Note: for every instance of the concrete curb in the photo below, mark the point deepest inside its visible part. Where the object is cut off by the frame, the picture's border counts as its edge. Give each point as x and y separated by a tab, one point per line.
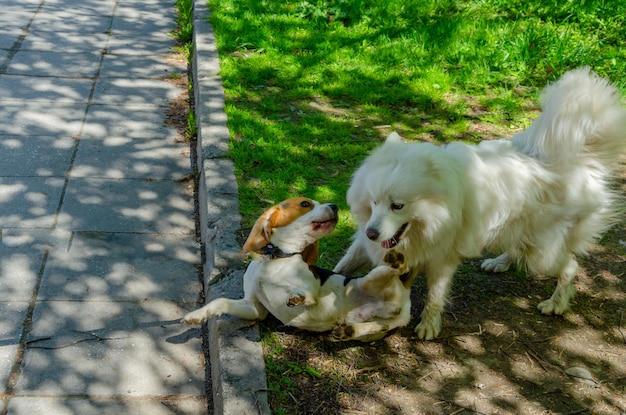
237	367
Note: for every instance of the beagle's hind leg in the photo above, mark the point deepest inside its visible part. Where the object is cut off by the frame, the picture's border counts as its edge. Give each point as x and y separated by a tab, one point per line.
365	332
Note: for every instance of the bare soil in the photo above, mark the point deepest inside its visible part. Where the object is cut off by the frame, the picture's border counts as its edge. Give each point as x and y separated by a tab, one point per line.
497	353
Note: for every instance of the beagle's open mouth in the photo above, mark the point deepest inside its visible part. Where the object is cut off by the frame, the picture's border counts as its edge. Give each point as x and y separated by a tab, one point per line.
395	239
323	225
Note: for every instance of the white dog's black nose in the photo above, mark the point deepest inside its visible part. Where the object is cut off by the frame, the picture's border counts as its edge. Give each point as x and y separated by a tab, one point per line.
372	234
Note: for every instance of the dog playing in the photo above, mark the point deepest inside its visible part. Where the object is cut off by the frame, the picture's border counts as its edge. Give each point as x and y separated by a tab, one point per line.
283	281
539	198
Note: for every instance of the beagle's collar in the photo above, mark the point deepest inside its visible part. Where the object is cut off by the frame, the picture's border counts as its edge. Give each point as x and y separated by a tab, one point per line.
274	252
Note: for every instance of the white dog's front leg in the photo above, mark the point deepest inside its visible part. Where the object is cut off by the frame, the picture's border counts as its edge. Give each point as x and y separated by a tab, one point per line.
238	308
559	302
438	281
501	263
355	258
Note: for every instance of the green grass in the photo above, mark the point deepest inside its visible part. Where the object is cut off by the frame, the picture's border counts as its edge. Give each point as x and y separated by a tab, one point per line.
312	86
184	21
183	33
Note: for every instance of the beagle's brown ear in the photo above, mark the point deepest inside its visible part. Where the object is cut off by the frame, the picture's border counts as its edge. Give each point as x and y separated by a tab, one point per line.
310	253
261	231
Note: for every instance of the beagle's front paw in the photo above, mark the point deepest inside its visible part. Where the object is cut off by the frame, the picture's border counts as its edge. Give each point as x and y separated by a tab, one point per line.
196	317
297	298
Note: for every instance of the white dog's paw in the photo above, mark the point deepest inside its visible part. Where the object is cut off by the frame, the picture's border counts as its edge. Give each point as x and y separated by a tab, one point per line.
198	316
559	302
498	264
429	327
550	306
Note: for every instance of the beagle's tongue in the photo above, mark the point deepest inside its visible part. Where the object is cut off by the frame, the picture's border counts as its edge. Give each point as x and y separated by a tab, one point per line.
322	225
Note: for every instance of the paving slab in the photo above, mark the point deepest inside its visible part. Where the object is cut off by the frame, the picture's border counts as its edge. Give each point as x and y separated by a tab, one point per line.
59	90
125	349
80	7
19	274
31	240
123	205
55	63
11	324
143	66
112	122
130	43
35	155
41	118
103	266
159	21
29	202
156	18
131	158
68	41
59	19
16	17
103	406
8	37
125	91
98	253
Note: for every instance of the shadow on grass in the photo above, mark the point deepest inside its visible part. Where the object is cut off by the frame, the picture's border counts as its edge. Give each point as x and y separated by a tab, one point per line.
496	353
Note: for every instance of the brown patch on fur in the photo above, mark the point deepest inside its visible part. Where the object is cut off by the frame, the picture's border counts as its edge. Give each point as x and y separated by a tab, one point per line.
275	217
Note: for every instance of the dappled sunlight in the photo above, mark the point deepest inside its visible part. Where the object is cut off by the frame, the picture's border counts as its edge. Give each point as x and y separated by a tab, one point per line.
496	353
98	253
471	344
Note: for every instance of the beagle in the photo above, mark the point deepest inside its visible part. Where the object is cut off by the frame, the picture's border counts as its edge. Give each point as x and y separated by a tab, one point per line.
282	280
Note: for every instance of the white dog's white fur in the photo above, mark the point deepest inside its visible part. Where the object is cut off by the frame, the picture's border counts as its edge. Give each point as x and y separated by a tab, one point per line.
540	198
282	280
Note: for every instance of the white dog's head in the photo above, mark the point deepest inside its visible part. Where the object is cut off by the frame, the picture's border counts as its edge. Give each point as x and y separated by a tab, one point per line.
401	191
293	226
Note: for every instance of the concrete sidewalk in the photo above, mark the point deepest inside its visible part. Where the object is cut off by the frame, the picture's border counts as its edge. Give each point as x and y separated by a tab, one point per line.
98	253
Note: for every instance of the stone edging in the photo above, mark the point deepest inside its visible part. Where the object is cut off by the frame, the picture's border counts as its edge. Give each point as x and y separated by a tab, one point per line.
237	367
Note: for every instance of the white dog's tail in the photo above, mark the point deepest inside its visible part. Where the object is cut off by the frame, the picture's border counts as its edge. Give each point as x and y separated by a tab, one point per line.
582	115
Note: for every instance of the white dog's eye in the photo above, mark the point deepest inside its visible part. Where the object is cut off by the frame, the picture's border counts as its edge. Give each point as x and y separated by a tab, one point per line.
396	206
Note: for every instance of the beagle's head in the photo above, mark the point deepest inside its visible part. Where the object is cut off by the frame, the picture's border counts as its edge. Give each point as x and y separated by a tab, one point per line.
294	226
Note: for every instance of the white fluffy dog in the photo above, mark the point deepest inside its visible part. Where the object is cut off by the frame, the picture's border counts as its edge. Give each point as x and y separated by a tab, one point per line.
539	198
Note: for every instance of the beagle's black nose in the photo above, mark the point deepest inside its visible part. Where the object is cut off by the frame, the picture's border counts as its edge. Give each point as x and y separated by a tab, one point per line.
372	234
333	207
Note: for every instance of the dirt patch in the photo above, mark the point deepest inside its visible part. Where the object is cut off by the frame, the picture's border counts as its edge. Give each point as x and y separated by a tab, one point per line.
497	354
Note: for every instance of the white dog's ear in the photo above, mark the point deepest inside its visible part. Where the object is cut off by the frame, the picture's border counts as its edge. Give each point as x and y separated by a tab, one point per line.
261	231
394	138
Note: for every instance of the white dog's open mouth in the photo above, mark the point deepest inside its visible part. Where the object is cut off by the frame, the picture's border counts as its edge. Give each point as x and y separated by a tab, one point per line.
393	241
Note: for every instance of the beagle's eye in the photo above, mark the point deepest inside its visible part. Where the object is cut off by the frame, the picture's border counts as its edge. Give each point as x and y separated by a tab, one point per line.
396	206
305	204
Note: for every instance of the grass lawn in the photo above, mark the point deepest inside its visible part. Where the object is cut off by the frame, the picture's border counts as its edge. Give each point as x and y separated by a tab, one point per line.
312	86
